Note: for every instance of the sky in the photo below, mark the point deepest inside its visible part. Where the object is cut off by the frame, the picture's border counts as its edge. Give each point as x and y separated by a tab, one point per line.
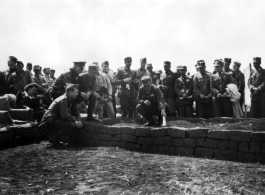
56	33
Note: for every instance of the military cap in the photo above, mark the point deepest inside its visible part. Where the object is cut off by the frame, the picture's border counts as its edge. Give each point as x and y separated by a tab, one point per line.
44	69
127	59
93	68
158	72
237	63
167	63
19	62
228	60
105	62
178	67
185	67
80	63
145	78
149	65
256	59
200	63
13	58
181	67
143	60
35	67
70	85
52	70
217	63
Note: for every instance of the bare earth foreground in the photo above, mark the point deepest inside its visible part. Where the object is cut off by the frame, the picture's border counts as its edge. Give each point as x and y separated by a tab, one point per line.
40	169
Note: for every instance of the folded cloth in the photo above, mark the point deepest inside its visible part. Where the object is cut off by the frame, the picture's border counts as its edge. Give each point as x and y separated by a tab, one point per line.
238	113
232	89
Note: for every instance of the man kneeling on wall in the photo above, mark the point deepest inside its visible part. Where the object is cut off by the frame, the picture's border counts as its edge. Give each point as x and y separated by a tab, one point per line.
62	118
150	101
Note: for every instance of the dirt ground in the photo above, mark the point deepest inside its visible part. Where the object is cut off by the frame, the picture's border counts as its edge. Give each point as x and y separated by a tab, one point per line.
41	169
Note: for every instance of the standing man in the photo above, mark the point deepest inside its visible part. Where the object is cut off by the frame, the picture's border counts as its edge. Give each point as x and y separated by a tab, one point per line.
202	91
222	106
29	68
12	67
149	67
52	73
141	72
47	77
39	80
168	88
184	89
256	84
226	67
150	101
157	80
240	81
62	118
129	86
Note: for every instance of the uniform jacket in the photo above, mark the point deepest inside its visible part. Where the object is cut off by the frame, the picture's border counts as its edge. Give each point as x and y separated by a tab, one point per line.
48	80
218	83
201	85
257	79
184	85
2	83
230	72
61	108
86	82
240	81
125	73
112	80
154	95
16	82
168	79
43	85
139	74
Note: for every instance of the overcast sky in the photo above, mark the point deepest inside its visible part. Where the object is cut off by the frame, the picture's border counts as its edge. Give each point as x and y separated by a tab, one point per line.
54	33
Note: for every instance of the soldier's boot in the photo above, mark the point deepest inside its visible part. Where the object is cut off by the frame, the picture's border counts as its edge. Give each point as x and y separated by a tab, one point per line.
90	109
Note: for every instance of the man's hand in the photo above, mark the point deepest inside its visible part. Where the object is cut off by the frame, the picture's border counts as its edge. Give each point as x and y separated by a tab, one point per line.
147	102
128	80
219	95
184	95
202	96
163	113
78	124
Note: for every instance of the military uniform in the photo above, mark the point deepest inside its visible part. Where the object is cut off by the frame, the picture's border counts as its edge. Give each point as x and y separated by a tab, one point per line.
183	85
257	80
141	72
222	106
240	82
155	97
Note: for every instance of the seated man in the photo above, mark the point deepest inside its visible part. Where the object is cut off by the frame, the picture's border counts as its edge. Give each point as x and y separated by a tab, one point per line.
62	117
150	101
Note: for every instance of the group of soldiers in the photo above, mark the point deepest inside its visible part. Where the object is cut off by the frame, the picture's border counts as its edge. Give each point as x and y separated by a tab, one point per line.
143	91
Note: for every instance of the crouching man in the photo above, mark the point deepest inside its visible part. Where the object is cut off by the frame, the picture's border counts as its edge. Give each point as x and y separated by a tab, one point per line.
62	117
150	101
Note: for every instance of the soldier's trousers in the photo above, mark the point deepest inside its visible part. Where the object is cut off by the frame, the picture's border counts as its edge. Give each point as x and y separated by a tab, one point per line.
223	108
148	111
171	106
91	105
185	110
205	110
258	108
106	106
128	106
105	113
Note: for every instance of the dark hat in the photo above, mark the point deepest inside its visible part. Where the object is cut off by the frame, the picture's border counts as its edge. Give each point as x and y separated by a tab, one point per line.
158	71
52	70
181	67
217	63
256	59
237	63
145	78
44	69
185	67
127	59
13	58
228	60
143	60
80	63
19	62
149	65
200	63
178	67
167	63
105	62
35	67
93	68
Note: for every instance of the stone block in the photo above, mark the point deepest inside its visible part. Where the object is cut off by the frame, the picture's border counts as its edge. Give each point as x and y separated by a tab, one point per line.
190	143
102	143
248	157
168	140
145	140
200	142
223	145
177	132
114	144
178	142
211	143
240	156
258	136
101	129
129	138
155	149
197	132
233	145
114	130
166	150
185	151
104	137
123	144
204	152
128	130
225	154
116	138
239	136
142	132
88	126
110	121
226	120
158	132
218	134
260	158
255	147
147	148
262	147
159	141
133	146
243	147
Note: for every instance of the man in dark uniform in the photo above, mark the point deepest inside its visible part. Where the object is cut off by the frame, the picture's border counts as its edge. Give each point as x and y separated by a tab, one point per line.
222	106
256	84
62	118
184	89
129	83
12	68
142	71
168	88
52	74
240	81
203	95
226	67
29	67
150	101
58	87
